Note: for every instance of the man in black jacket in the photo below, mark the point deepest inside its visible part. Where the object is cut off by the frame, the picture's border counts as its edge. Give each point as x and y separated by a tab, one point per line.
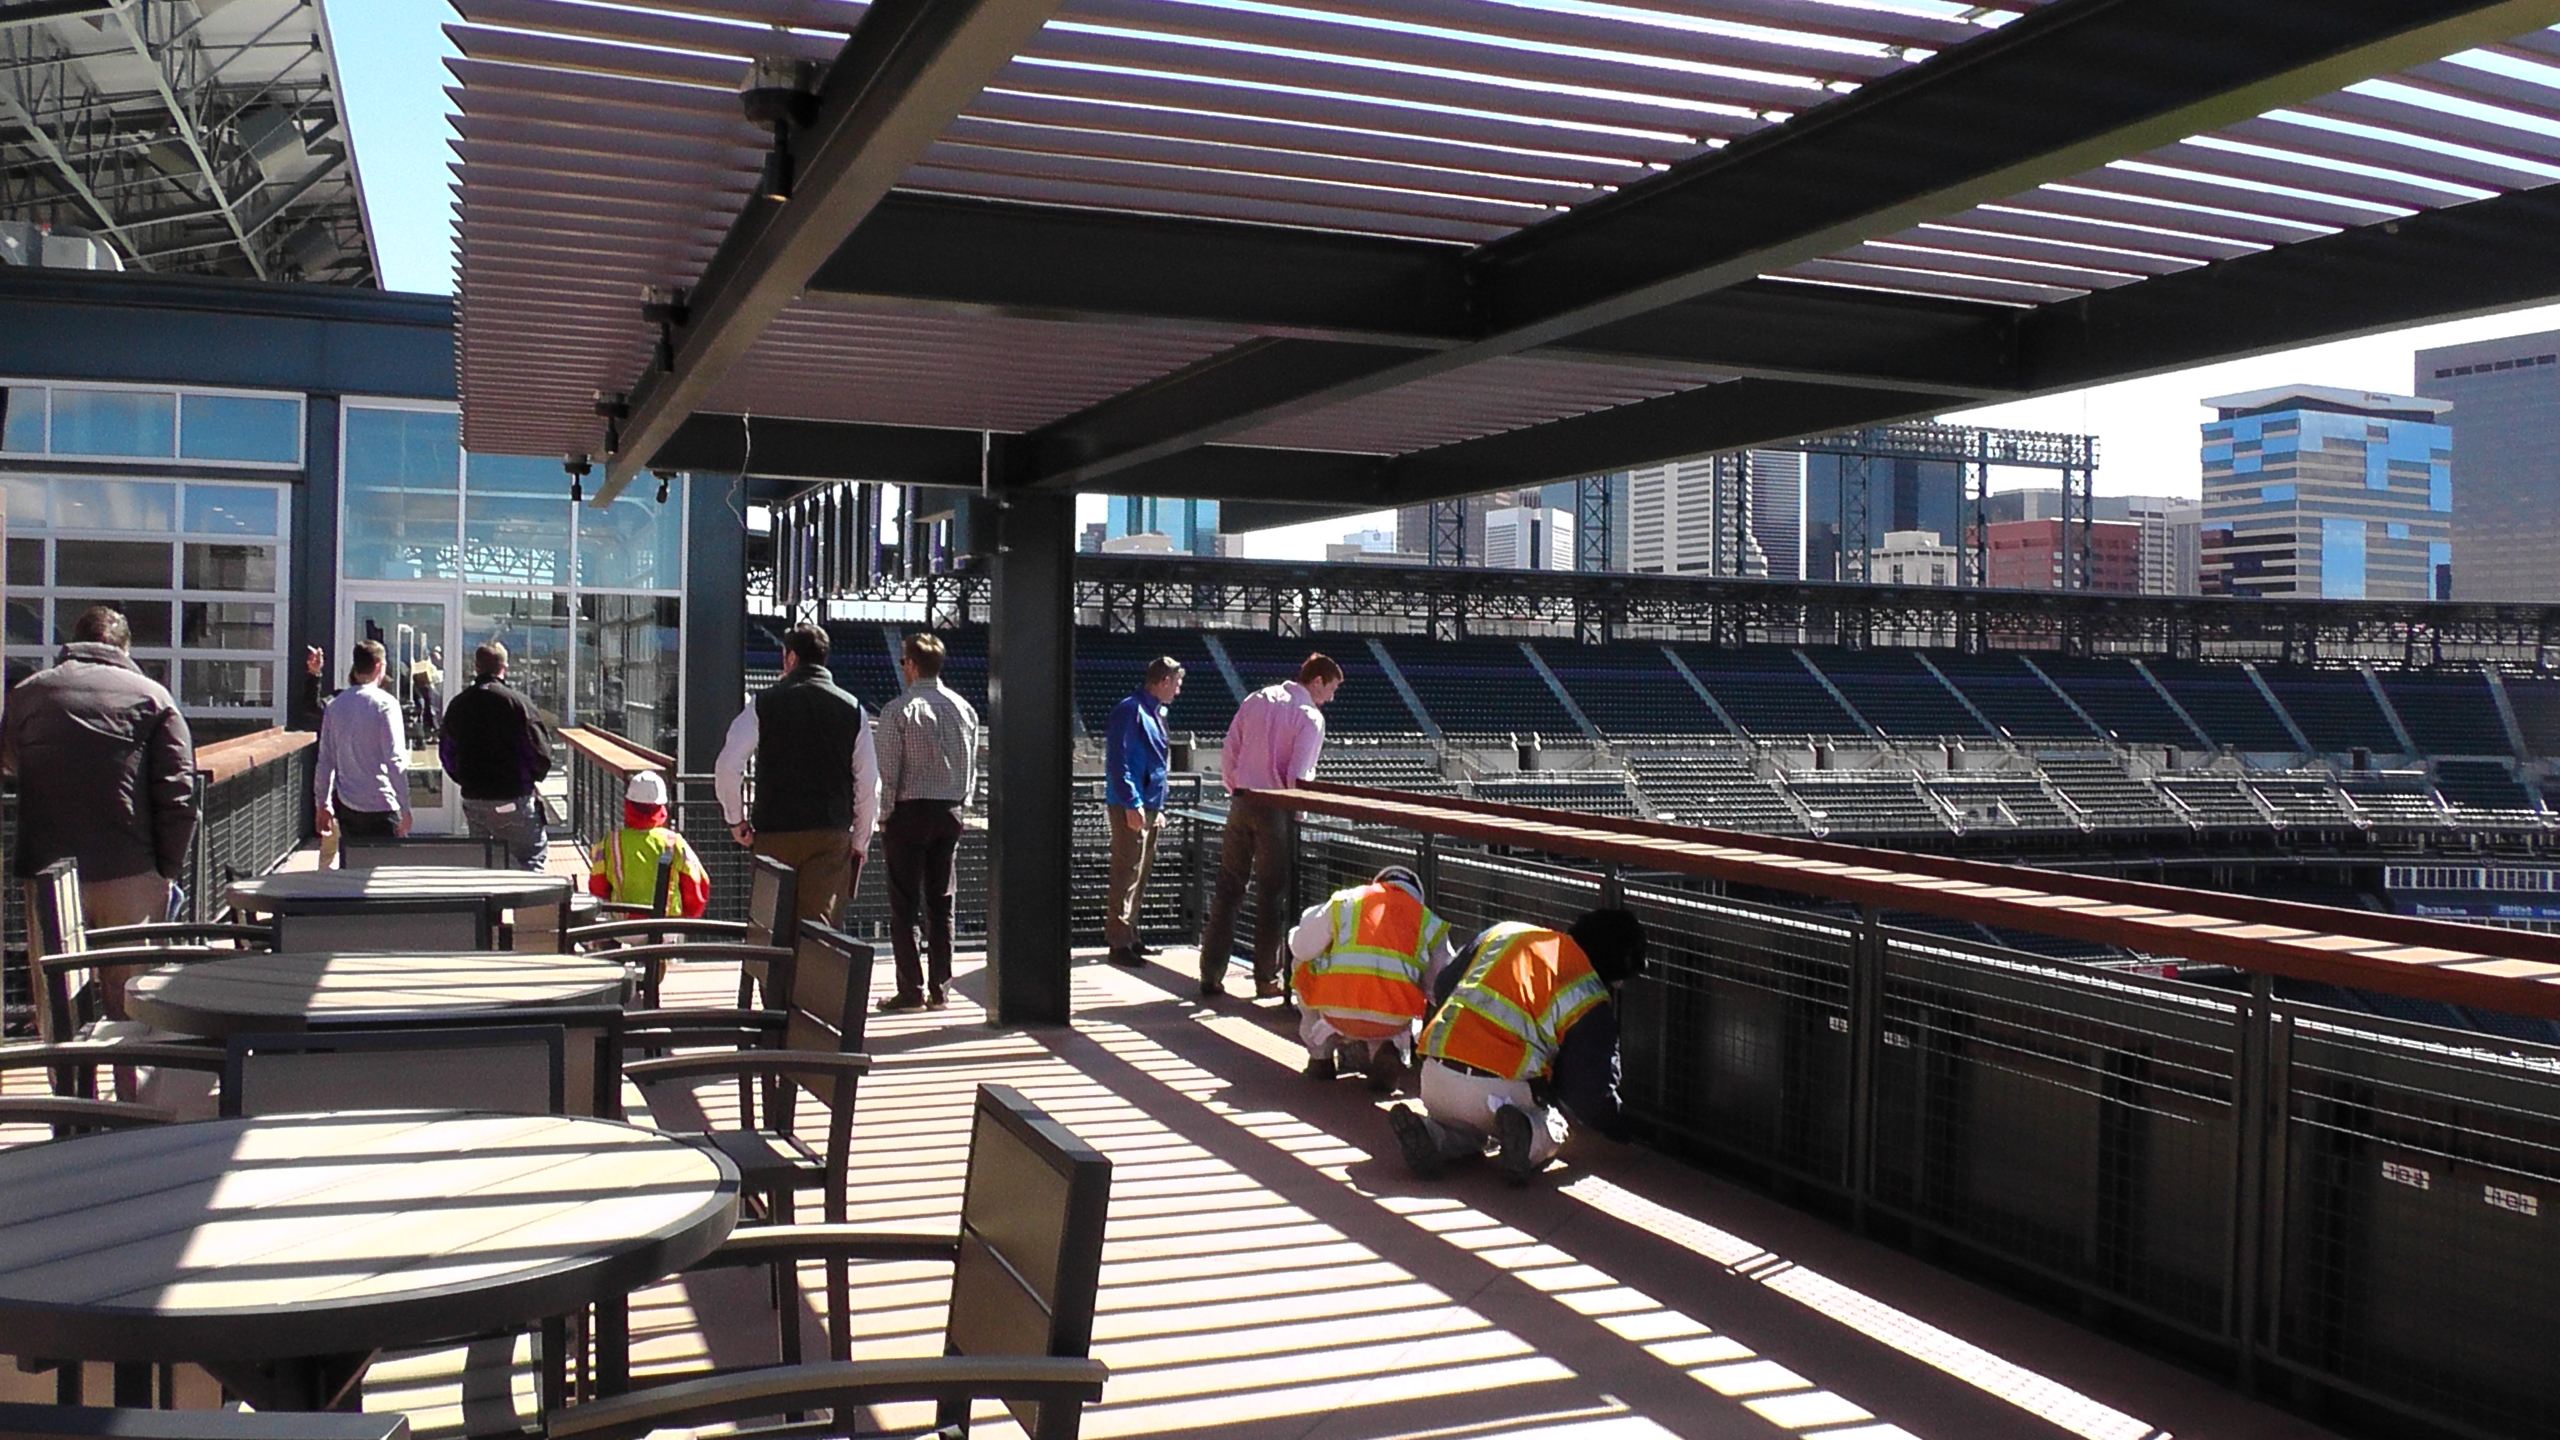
497	749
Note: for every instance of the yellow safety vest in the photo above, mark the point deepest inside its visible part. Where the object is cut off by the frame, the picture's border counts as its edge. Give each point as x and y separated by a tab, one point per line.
1524	989
630	864
1369	978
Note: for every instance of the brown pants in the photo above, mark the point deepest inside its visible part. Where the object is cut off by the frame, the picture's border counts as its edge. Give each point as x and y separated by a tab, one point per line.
1133	854
130	900
1256	850
921	842
825	863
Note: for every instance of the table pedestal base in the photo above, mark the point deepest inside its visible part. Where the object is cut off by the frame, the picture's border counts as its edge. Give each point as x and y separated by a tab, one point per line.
310	1382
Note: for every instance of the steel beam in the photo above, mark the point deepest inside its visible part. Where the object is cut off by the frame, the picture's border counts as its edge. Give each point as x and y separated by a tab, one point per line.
904	74
1031	745
130	17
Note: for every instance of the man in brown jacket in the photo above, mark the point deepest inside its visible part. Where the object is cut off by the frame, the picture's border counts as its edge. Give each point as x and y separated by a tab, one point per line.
105	768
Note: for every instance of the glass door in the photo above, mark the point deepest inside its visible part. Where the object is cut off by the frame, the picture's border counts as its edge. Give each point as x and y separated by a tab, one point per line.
418	638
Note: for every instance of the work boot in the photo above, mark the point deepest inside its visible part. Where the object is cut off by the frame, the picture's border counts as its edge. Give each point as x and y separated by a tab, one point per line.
1127	957
1511	1129
1142	949
1320	1064
1385	1068
1421	1153
899	1004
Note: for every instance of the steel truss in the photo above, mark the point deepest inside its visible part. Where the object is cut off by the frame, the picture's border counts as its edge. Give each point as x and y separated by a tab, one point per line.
1975	449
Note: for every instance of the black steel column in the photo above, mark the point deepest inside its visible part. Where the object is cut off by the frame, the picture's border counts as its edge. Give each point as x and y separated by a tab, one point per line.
1030	671
715	615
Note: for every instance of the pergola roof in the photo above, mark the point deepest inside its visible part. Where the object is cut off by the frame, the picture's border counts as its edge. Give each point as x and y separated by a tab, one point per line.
1347	251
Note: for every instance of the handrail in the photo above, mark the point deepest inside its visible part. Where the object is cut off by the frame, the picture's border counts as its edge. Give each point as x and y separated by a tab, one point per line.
230	759
624	757
2401	955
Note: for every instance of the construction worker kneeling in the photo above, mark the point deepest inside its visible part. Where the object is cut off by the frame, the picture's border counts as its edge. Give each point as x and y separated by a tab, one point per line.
1524	1036
1366	960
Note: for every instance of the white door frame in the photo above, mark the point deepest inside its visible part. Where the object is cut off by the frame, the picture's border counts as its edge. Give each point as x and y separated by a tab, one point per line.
436	805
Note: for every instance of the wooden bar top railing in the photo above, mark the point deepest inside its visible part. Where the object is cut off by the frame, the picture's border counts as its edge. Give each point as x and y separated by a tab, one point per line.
222	760
624	757
2514	971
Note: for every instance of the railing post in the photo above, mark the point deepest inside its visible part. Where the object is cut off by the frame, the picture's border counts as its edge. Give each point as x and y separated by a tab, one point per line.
2252	1057
1426	865
1866	1034
1613	887
199	851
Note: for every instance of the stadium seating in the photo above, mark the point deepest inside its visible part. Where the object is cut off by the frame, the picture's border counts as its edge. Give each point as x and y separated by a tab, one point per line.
2399	800
2226	704
1367	710
1897	694
1629	689
2537	703
1109	667
1418	771
1481	692
2002	802
2448	714
2484	791
2335	709
2109	797
2215	802
1768	691
2117	696
2012	696
1595	796
858	656
2305	799
1867	802
1712	785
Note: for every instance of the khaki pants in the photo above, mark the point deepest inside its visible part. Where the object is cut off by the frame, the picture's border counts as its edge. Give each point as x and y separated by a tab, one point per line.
1133	854
1459	1108
824	860
1255	852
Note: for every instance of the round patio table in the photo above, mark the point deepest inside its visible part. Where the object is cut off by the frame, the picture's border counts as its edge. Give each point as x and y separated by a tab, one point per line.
512	889
266	994
282	1253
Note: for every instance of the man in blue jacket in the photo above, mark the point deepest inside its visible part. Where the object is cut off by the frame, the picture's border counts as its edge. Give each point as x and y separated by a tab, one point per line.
1136	758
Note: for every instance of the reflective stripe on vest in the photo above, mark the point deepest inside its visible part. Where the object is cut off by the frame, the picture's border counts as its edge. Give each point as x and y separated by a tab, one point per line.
631	867
1372	970
1524	989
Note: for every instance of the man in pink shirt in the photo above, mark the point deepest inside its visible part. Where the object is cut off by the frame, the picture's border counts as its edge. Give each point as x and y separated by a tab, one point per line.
1272	744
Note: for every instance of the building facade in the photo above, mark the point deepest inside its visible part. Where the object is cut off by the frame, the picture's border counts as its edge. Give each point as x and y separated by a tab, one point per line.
1529	537
2506	469
1190	525
2314	492
1917	557
2031	555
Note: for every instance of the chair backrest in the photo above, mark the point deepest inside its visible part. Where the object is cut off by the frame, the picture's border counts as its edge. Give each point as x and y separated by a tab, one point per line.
512	1069
773	891
1031	1221
467	852
592	1063
828	993
93	1422
461	923
56	925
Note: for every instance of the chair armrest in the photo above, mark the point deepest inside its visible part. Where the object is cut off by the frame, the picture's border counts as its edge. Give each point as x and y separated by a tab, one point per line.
144	955
711	1019
763	1244
683	951
615	929
114	935
108	1052
70	1110
838	1386
746	1062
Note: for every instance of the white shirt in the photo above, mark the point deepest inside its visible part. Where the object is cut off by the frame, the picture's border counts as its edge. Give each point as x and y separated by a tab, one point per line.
729	777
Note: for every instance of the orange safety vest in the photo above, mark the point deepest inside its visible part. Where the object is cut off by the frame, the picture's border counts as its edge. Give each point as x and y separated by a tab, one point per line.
1524	989
1368	981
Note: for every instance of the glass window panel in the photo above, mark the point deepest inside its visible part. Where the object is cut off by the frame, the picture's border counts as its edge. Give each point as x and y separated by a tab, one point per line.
231	567
149	619
401	514
22	419
240	427
233	509
111	564
20	667
635	543
26	562
26	499
516	539
223	625
628	673
26	620
156	669
518	475
115	422
229	682
535	630
115	505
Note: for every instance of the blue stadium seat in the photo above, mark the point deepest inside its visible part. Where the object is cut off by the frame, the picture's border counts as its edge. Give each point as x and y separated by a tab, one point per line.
2451	714
2012	696
1897	694
2334	709
1482	691
1629	688
2223	700
1767	690
2118	697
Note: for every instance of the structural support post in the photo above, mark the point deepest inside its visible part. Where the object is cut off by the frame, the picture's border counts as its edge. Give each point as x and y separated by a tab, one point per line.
1031	750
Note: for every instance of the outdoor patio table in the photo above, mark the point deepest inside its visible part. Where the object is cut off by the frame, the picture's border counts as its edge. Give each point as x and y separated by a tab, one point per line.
282	1253
265	994
513	889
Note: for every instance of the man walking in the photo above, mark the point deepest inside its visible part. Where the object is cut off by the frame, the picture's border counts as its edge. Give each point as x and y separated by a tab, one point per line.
928	748
362	783
497	750
817	786
1272	744
106	776
1526	1035
1136	764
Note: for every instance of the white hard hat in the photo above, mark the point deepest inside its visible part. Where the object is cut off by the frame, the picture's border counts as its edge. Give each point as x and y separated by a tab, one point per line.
647	788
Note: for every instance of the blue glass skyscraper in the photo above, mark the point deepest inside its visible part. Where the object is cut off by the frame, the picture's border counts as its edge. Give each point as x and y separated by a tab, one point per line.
2316	492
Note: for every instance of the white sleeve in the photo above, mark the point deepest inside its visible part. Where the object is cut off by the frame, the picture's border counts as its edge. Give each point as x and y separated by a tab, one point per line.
866	791
1443	950
400	750
729	772
1314	933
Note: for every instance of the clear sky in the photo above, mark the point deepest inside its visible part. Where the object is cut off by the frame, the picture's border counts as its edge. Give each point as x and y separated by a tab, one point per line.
392	52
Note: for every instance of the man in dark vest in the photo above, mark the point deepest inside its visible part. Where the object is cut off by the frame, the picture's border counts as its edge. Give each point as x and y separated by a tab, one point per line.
817	783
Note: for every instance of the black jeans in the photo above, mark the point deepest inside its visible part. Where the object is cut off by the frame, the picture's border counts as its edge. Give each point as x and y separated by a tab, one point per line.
923	839
365	824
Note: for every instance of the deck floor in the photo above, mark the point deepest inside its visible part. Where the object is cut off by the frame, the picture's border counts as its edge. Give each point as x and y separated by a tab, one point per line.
1273	1273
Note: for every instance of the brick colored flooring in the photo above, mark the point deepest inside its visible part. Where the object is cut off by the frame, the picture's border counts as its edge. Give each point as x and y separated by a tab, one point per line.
1272	1273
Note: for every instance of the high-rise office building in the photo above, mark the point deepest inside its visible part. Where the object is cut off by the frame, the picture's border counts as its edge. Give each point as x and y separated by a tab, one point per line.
1777	511
1844	515
2169	553
2339	494
1192	525
1529	537
2506	466
2032	555
1413	522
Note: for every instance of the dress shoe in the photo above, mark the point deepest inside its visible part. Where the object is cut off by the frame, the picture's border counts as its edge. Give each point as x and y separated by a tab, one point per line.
1125	956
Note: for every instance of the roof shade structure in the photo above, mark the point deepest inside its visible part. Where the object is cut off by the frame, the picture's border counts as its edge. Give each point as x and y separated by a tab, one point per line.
1353	253
192	136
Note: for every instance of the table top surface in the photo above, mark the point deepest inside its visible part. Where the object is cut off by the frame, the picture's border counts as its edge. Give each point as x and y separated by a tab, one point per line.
287	1236
262	993
399	882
